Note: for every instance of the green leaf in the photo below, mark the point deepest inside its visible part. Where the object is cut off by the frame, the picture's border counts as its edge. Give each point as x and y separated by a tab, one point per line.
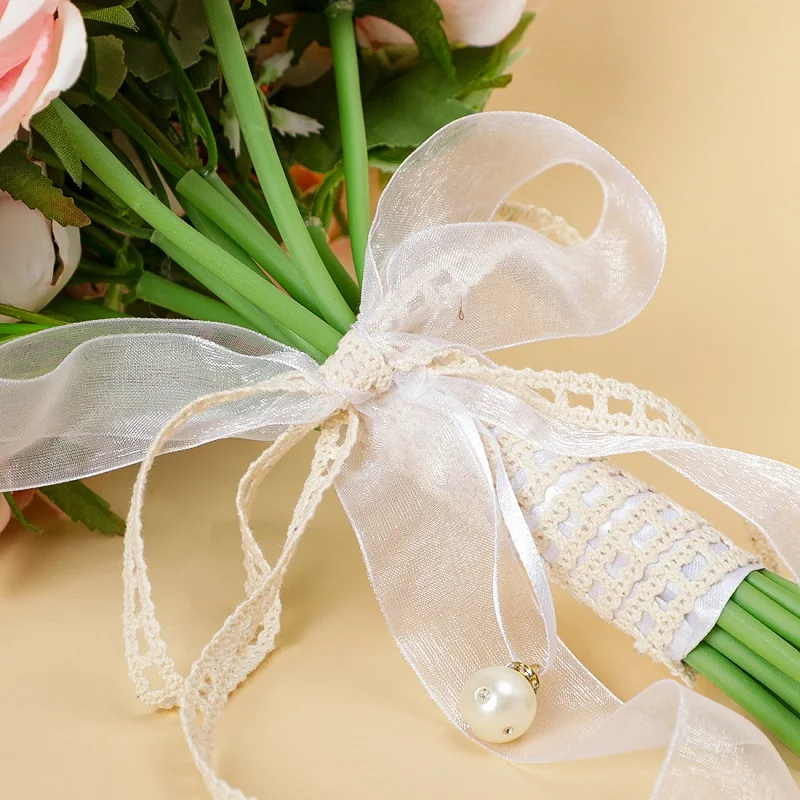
25	181
117	14
186	19
487	84
422	19
502	56
388	159
52	129
18	515
401	109
202	75
105	68
309	28
81	504
108	4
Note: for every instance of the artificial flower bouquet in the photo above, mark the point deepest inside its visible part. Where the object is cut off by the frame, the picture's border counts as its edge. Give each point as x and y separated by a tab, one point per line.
229	280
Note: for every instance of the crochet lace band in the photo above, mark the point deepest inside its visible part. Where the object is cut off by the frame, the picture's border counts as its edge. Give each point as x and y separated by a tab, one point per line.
444	462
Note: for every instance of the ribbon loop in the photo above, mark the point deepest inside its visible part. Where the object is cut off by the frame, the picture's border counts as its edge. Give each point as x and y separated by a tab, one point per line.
456	576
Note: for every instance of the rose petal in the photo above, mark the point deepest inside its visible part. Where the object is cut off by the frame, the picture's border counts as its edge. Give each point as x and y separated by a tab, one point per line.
313	64
71	43
480	22
477	22
20	24
27	257
20	86
374	32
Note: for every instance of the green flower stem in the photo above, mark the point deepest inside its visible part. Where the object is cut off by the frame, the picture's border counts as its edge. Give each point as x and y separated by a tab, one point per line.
215	234
120	118
146	124
772	614
216	261
329	184
748	693
251	199
790	586
159	291
257	205
760	639
785	597
101	216
48	157
80	310
268	166
20	328
23	315
773	679
351	121
151	171
251	237
341	277
220	186
184	86
258	319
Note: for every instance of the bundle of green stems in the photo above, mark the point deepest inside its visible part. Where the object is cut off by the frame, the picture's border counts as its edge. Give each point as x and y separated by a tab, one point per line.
752	652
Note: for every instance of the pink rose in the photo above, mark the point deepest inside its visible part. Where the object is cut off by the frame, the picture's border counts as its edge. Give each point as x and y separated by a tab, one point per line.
37	256
42	50
477	22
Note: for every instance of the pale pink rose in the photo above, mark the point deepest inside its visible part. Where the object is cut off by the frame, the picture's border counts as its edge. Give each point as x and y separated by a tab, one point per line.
22	499
42	50
477	22
37	256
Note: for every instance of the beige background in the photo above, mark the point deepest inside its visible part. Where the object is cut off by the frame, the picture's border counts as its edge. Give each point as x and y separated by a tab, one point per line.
699	100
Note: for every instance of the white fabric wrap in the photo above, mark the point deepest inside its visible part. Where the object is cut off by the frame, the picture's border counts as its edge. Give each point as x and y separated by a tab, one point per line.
427	459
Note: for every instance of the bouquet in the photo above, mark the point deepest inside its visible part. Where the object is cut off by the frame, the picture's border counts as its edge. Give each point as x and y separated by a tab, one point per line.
229	280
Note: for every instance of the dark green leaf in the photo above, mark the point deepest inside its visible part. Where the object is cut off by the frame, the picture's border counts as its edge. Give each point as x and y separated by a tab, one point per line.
187	20
309	28
388	159
18	515
422	19
105	68
487	84
51	127
502	56
25	181
81	504
202	75
116	14
402	109
108	3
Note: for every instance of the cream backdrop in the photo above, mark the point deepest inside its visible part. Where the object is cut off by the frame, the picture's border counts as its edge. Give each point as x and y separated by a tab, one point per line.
699	100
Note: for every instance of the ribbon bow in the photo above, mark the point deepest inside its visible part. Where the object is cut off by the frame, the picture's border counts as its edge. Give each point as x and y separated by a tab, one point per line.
407	410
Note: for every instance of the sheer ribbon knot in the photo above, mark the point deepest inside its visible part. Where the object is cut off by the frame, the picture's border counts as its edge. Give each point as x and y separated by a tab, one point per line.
414	423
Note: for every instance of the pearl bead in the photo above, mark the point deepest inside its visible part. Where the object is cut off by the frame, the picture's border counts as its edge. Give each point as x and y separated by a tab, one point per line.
498	704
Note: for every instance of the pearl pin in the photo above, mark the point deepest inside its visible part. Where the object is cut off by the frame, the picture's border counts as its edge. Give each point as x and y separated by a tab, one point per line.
499	703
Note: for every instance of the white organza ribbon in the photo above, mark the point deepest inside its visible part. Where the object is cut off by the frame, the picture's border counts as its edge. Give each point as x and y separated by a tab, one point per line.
455	574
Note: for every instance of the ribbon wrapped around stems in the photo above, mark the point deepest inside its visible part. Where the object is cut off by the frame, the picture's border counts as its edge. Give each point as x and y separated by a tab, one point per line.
414	448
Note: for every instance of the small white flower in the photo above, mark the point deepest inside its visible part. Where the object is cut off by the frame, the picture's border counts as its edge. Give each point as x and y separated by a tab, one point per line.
290	123
37	257
253	32
230	124
273	67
